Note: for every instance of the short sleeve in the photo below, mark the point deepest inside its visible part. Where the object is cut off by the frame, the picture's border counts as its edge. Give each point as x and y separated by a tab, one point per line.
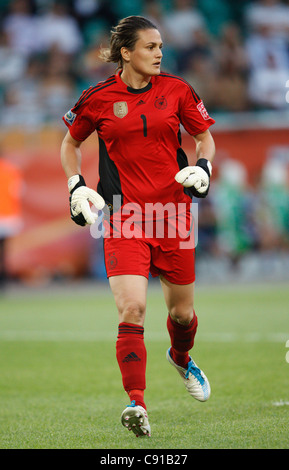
79	120
193	114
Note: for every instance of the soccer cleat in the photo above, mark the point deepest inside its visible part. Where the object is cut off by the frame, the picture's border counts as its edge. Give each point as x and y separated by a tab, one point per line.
194	379
135	418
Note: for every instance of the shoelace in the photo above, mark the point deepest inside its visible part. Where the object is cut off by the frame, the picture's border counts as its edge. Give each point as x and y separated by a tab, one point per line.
195	371
132	405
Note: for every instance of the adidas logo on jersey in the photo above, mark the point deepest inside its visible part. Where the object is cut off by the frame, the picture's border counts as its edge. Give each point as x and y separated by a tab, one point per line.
131	357
140	102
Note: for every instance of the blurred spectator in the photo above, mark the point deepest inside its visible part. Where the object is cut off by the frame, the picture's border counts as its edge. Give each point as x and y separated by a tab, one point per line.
193	42
231	89
181	24
154	11
230	49
267	44
22	103
21	26
207	228
86	9
266	85
262	45
201	74
11	187
95	18
268	15
272	211
200	47
58	27
12	62
88	68
267	23
58	88
232	204
231	71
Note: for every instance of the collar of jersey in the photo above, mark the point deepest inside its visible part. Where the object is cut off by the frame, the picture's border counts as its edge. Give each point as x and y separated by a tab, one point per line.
136	91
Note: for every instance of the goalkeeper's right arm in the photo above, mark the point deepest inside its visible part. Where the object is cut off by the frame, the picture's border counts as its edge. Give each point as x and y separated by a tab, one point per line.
80	194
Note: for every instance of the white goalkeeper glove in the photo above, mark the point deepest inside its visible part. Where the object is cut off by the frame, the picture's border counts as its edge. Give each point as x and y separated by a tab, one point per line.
80	196
197	177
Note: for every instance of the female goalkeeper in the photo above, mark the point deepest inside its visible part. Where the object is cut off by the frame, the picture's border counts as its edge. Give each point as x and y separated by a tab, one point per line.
137	113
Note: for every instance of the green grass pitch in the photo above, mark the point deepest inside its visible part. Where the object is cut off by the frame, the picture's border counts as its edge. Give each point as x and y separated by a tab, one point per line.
60	387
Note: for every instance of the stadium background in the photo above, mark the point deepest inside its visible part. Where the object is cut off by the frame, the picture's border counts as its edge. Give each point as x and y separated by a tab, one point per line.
60	385
235	54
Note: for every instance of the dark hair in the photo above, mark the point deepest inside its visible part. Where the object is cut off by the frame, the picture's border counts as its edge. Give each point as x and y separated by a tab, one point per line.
125	34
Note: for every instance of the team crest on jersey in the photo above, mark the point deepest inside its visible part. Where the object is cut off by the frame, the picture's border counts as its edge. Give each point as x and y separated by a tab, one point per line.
120	109
202	110
161	102
70	117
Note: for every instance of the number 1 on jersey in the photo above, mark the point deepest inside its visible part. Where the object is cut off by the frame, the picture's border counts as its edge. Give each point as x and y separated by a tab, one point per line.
144	120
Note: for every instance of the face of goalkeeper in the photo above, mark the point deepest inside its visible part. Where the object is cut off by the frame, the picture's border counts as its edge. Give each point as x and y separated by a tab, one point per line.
145	58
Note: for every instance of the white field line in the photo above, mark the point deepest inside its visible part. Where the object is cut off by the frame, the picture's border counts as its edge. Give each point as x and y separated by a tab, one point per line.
280	403
90	336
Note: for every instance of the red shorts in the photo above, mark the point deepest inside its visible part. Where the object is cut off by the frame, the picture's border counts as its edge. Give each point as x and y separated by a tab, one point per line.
141	257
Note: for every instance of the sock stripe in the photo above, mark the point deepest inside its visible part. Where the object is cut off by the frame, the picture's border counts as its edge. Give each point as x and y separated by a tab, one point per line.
131	329
129	332
126	328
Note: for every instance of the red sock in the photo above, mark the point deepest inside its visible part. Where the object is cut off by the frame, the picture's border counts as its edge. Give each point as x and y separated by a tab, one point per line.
182	339
131	357
137	396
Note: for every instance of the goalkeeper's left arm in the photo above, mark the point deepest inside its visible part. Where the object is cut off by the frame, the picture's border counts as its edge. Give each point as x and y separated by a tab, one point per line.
197	177
80	194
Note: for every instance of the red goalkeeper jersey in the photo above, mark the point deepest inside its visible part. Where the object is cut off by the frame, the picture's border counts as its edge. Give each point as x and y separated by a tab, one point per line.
139	136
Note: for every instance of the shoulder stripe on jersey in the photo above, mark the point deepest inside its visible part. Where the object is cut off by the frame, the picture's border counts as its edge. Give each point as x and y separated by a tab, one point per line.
91	90
169	75
85	92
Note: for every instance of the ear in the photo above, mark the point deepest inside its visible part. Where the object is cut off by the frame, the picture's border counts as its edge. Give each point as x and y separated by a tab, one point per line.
125	54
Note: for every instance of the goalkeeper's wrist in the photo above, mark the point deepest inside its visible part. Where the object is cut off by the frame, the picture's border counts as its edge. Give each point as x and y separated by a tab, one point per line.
75	182
205	165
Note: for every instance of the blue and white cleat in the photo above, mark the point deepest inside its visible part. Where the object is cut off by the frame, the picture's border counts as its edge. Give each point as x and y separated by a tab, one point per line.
194	379
135	418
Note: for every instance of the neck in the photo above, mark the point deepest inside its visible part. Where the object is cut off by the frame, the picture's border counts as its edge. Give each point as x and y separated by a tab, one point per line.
135	80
